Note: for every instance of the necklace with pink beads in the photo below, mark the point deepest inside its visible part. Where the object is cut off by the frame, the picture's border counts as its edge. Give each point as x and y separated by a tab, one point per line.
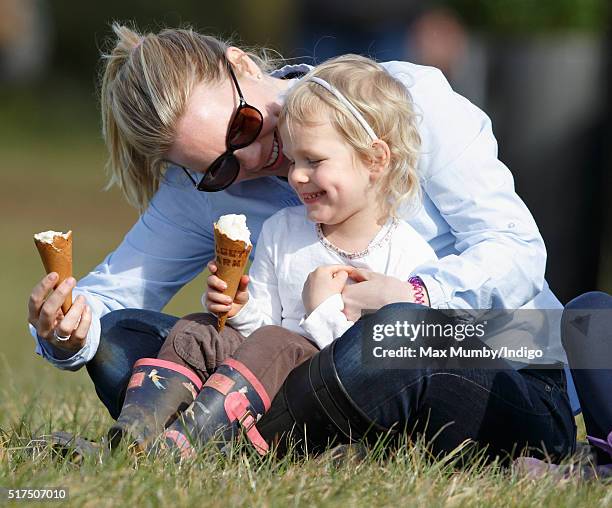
374	244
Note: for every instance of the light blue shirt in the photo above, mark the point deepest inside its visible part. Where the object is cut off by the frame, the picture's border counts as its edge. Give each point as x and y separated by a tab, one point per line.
491	254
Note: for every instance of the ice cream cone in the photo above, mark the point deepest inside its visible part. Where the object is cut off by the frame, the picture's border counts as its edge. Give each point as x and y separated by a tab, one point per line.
56	255
231	259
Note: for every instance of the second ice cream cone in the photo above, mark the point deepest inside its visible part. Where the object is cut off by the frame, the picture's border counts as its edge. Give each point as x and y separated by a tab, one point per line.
56	255
231	259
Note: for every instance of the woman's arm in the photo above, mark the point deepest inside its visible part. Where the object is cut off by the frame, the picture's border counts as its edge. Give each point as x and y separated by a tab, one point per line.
166	248
501	255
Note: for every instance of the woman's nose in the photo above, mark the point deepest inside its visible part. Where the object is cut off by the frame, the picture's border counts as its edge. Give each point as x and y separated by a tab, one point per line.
249	156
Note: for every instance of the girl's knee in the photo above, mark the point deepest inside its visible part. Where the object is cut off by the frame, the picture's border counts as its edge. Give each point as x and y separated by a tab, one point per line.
275	342
196	341
275	337
198	322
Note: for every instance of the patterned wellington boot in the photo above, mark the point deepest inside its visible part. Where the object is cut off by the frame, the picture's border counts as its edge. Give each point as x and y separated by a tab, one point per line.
158	390
231	399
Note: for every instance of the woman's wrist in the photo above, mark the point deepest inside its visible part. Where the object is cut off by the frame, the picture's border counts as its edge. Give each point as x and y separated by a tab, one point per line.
419	290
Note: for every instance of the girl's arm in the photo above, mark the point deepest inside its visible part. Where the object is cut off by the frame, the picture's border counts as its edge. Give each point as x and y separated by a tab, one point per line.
327	322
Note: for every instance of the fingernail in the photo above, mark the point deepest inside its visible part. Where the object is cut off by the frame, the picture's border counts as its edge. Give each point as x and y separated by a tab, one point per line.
71	281
52	276
224	286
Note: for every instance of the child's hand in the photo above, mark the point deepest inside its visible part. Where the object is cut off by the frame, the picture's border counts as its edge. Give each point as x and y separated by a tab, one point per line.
218	303
322	283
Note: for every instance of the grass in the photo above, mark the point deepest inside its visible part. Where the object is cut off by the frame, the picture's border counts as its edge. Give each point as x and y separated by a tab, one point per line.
52	172
405	477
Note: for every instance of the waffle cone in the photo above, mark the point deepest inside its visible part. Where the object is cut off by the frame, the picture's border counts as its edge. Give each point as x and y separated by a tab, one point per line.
57	257
231	257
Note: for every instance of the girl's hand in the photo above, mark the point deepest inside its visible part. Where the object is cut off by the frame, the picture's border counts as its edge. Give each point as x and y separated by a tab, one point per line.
322	283
218	303
45	314
373	291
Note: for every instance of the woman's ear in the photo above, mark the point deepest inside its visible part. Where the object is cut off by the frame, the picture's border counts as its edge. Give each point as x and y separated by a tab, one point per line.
242	63
380	159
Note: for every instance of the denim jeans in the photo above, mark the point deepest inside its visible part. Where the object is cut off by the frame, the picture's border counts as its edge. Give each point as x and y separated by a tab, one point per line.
504	409
127	335
594	385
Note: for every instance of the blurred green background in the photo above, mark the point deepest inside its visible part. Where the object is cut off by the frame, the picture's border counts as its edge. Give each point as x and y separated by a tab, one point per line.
52	155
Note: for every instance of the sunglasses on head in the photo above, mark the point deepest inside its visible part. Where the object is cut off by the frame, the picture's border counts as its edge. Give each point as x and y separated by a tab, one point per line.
244	128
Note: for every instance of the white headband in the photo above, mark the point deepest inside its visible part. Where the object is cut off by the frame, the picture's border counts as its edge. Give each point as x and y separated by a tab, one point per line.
348	105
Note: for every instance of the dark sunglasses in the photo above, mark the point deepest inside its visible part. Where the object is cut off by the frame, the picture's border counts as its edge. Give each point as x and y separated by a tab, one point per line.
244	128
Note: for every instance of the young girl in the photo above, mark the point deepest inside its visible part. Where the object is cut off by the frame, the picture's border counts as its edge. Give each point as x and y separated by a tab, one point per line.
348	128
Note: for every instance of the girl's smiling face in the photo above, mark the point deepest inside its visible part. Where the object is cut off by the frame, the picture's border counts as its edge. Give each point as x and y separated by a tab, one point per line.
326	172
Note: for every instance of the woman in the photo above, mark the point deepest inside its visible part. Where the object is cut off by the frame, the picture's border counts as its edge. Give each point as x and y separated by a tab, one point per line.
169	101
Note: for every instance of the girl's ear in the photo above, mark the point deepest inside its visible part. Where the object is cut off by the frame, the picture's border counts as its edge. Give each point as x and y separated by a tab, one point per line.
242	63
380	159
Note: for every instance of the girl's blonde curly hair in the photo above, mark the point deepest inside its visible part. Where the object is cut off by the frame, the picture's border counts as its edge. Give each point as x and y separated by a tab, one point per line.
386	105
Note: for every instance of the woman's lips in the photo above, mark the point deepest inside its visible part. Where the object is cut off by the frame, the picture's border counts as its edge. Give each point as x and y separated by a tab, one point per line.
276	153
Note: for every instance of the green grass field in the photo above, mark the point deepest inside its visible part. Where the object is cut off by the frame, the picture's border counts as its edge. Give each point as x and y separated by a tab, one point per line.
52	171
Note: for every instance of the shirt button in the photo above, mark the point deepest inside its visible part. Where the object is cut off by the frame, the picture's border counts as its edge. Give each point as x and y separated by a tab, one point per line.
547	388
511	225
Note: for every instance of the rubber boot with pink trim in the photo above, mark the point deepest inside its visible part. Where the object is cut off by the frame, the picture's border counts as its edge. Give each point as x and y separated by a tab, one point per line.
158	390
231	401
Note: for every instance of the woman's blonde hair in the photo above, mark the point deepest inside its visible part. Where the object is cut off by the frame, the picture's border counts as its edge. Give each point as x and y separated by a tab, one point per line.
386	105
146	83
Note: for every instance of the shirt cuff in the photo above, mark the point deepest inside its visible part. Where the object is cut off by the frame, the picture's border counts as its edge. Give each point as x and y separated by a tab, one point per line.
242	313
246	320
438	297
327	322
65	360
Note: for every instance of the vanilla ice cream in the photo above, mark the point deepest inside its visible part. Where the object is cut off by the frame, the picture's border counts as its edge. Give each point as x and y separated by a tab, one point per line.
48	236
235	227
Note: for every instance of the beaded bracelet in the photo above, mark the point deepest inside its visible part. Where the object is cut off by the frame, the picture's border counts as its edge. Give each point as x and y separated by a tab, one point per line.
419	289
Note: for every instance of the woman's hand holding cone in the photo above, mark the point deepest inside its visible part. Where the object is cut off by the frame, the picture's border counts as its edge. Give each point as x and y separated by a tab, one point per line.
45	314
216	302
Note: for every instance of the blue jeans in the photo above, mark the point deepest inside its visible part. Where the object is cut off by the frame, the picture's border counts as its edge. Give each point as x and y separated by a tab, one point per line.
127	335
505	409
594	385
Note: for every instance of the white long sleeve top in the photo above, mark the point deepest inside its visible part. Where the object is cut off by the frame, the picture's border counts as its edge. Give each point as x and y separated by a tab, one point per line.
289	248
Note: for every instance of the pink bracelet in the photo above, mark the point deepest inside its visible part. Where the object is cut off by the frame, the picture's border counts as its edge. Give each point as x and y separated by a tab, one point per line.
419	289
